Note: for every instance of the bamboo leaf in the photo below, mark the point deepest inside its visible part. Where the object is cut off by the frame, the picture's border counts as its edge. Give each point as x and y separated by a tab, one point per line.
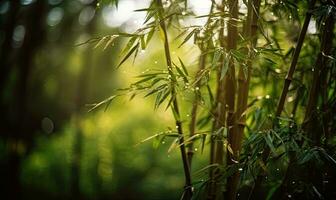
188	37
143	43
100	42
215	59
173	145
211	97
109	42
135	54
128	54
106	101
183	67
150	35
269	141
157	89
129	44
224	68
164	96
179	71
144	80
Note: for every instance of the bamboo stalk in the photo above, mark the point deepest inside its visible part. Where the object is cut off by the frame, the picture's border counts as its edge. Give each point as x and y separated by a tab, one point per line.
216	142
292	67
202	62
187	194
309	124
320	74
243	91
230	78
288	80
230	87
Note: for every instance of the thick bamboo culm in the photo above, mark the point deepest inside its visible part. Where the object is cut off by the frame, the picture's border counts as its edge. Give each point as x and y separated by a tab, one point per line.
250	33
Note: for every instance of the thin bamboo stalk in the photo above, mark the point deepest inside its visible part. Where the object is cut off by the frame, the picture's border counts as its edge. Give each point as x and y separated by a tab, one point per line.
288	80
187	194
292	67
202	62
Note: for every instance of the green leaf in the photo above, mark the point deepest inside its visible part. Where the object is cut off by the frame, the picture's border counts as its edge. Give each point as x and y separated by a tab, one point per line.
106	101
269	141
180	72
150	35
183	67
109	42
225	67
135	54
173	145
211	97
143	43
149	16
157	89
128	54
170	101
162	98
144	80
215	58
188	37
129	44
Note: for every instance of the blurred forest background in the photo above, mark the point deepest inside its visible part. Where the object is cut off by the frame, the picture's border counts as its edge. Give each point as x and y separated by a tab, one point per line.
52	147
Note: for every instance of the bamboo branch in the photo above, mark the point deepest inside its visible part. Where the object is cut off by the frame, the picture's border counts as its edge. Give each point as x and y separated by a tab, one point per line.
187	194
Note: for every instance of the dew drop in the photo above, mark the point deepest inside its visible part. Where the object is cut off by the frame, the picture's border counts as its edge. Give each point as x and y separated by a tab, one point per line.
240	169
196	149
267	96
289	196
156	62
